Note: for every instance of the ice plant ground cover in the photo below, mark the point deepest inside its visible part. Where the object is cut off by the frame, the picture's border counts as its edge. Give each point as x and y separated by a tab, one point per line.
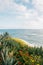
14	52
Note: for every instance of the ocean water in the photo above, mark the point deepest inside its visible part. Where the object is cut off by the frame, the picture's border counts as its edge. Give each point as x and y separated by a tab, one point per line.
33	36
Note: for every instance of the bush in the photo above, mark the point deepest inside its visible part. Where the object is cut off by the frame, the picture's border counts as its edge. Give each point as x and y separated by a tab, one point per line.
13	53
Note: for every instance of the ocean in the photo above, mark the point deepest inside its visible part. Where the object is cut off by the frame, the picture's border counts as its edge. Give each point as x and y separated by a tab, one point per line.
33	36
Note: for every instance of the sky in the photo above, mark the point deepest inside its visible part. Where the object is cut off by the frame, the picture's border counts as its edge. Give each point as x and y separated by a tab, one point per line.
21	14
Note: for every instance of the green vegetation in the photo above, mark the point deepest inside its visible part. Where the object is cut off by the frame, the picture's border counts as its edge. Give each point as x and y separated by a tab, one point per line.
18	53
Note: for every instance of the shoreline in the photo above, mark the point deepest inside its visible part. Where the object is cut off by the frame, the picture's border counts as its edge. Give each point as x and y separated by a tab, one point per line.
23	41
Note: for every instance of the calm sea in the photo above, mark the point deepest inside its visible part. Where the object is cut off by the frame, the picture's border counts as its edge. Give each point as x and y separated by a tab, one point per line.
33	36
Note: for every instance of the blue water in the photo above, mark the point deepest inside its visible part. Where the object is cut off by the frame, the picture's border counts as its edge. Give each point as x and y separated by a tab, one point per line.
33	36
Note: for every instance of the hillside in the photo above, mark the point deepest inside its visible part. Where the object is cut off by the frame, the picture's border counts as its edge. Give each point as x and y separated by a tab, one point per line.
14	51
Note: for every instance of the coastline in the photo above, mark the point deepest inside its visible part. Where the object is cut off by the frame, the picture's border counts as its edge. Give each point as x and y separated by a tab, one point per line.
23	42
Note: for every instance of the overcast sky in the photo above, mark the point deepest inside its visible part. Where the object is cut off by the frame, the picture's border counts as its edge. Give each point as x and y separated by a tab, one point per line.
21	14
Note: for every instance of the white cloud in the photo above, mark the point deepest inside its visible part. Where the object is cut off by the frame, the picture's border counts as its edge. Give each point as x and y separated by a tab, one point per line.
38	5
29	17
27	1
31	25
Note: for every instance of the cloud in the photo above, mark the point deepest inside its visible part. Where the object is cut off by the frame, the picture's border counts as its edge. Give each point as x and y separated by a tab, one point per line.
9	5
22	1
38	4
26	1
24	17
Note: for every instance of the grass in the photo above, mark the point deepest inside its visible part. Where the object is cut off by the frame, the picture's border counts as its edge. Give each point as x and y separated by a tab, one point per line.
14	51
21	42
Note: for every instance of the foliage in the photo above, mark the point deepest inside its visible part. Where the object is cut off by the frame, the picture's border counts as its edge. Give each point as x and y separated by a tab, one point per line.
13	53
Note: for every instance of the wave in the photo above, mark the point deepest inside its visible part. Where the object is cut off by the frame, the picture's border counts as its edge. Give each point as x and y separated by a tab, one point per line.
31	34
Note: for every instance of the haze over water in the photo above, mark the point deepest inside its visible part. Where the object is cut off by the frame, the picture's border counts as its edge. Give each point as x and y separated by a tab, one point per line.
33	36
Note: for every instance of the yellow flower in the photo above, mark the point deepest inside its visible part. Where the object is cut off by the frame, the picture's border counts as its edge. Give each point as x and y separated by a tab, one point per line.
32	60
